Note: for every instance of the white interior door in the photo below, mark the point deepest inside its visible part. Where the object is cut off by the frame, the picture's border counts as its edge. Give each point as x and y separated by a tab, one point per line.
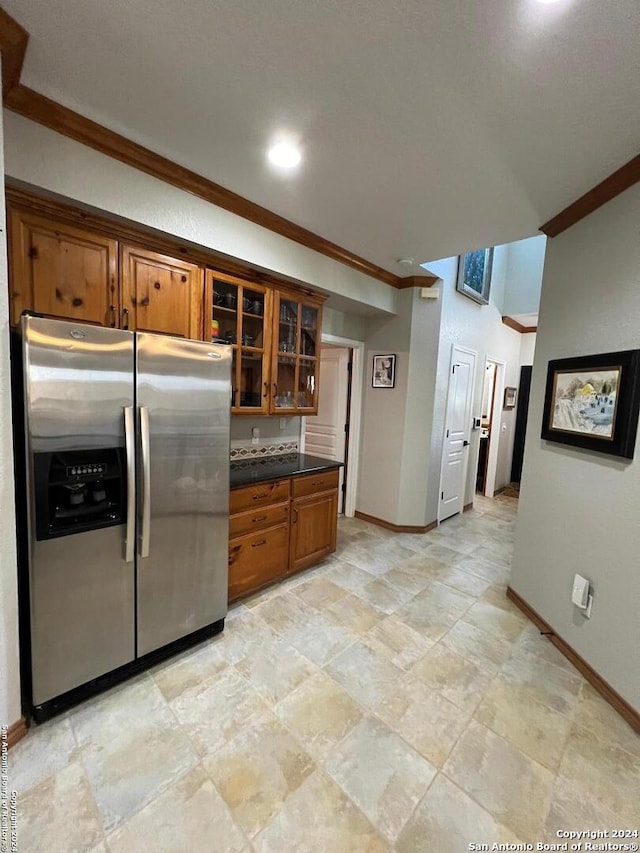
325	435
456	435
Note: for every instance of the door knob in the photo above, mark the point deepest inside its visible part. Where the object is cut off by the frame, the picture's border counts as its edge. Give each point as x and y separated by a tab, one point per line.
465	444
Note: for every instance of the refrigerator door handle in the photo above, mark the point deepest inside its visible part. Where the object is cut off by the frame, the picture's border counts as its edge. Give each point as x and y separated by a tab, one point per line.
130	451
146	482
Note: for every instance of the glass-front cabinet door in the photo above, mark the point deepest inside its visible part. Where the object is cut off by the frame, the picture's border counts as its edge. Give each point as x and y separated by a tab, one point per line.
296	339
239	316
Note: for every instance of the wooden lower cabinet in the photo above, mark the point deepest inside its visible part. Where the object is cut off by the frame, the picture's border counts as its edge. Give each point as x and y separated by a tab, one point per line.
313	529
257	559
272	535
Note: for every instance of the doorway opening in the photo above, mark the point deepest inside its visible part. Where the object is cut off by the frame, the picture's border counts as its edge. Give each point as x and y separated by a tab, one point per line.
490	425
334	433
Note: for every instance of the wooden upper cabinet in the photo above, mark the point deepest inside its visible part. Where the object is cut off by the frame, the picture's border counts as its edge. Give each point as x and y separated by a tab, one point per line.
161	294
62	271
297	325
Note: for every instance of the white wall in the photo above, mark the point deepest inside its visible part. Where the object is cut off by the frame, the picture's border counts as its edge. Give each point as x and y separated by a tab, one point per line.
395	478
525	262
527	348
480	328
270	430
9	667
343	325
579	510
45	159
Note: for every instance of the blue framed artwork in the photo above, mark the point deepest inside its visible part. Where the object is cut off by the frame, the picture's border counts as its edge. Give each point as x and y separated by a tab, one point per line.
474	275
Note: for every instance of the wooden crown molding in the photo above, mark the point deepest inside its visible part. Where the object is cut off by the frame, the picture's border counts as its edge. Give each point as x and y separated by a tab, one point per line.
626	176
417	281
594	678
13	47
38	108
518	327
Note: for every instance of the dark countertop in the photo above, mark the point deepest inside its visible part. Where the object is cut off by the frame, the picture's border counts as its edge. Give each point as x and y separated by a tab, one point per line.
247	471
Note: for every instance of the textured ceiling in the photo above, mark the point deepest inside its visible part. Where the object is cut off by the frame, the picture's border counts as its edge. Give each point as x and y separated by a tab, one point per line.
428	127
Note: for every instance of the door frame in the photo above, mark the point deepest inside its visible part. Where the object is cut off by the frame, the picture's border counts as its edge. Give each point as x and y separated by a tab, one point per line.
468	351
355	417
496	425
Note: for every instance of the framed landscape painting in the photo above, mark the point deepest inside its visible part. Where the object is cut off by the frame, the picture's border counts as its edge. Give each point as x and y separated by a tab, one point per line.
474	275
593	402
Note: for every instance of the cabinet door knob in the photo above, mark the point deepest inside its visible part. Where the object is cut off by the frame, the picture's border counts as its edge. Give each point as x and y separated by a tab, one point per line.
266	389
258	544
295	515
112	309
125	318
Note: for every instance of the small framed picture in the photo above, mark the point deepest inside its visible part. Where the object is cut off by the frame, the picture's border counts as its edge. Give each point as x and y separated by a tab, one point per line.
510	397
593	402
474	275
384	371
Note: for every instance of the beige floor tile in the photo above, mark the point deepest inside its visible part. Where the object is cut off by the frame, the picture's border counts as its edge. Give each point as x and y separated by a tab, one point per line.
378	557
349	577
531	642
572	806
366	674
319	592
319	713
257	771
538	731
59	814
424	718
275	670
496	594
596	715
319	818
512	787
189	669
383	776
447	820
354	614
495	553
556	687
246	633
216	710
384	597
492	572
487	650
427	566
463	581
442	553
605	772
495	620
45	750
131	749
317	636
403	646
459	680
408	579
189	816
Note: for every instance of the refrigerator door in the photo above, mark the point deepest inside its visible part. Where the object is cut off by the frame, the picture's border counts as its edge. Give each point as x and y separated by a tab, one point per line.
78	386
184	398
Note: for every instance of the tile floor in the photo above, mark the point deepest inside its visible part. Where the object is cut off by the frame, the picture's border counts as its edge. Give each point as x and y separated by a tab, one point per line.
391	699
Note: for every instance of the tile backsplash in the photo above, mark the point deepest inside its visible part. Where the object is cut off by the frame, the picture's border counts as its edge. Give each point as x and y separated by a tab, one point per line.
257	451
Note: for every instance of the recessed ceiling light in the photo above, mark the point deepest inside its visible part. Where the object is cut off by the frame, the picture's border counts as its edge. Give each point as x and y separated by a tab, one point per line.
547	1
285	155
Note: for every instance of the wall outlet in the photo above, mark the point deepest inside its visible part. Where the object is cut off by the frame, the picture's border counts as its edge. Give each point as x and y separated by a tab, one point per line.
283	423
255	435
580	592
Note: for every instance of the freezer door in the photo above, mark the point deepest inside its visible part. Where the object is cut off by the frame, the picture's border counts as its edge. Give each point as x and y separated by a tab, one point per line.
183	397
78	384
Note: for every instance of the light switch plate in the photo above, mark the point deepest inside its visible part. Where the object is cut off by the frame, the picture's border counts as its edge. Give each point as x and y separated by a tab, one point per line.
255	435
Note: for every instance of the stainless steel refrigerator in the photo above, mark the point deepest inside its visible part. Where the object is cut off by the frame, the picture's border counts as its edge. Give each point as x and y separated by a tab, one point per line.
127	492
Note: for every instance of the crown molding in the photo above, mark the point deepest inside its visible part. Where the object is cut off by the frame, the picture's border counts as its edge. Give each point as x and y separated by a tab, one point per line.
13	47
623	178
38	108
518	327
417	281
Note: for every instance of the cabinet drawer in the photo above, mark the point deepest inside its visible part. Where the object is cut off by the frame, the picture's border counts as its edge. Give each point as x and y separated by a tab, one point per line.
257	559
258	519
260	494
312	483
